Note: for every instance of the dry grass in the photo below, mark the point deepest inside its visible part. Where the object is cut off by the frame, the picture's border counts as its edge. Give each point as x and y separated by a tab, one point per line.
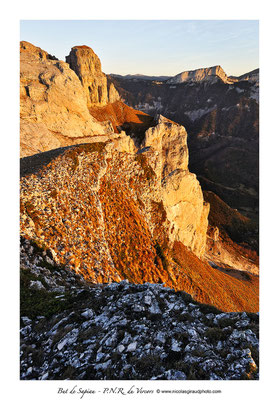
212	286
128	235
123	117
60	210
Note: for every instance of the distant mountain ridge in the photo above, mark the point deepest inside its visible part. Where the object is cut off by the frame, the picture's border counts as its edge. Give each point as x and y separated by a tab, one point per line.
141	76
202	74
211	74
251	76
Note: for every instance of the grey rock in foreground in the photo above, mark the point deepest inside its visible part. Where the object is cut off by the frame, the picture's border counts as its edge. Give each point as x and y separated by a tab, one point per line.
74	330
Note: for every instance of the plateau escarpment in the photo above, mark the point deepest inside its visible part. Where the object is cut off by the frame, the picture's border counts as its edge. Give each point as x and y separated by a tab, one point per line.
211	74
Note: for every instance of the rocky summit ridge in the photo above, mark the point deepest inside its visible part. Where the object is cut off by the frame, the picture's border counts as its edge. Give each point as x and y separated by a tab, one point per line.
110	213
211	74
147	188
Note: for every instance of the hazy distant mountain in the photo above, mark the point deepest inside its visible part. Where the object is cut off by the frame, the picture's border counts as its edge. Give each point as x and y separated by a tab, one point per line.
211	74
252	76
143	77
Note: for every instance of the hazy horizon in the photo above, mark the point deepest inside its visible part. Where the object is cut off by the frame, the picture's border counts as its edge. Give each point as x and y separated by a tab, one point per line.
152	47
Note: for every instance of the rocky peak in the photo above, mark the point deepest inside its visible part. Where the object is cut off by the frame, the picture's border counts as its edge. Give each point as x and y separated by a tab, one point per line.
210	74
83	61
53	104
252	76
26	47
87	66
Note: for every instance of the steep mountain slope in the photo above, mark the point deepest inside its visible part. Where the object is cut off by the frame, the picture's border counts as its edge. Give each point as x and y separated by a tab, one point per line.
118	207
252	76
232	243
104	213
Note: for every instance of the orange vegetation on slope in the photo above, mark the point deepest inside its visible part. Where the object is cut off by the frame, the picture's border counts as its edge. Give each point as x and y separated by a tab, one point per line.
109	226
237	238
141	256
59	210
129	238
228	220
123	117
209	285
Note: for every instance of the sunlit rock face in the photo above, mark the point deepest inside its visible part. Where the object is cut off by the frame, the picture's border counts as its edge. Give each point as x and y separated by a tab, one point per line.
166	148
202	74
53	106
87	66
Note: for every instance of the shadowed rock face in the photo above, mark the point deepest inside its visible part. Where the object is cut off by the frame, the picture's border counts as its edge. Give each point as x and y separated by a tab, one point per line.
53	108
87	66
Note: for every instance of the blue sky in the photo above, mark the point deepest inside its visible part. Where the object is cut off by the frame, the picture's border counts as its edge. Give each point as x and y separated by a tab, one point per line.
152	47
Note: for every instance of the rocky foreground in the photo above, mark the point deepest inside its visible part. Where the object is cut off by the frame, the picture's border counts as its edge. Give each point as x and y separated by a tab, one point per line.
71	329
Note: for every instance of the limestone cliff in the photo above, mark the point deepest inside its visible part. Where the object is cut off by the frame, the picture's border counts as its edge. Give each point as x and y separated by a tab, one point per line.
202	74
168	197
222	122
53	108
166	147
87	66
